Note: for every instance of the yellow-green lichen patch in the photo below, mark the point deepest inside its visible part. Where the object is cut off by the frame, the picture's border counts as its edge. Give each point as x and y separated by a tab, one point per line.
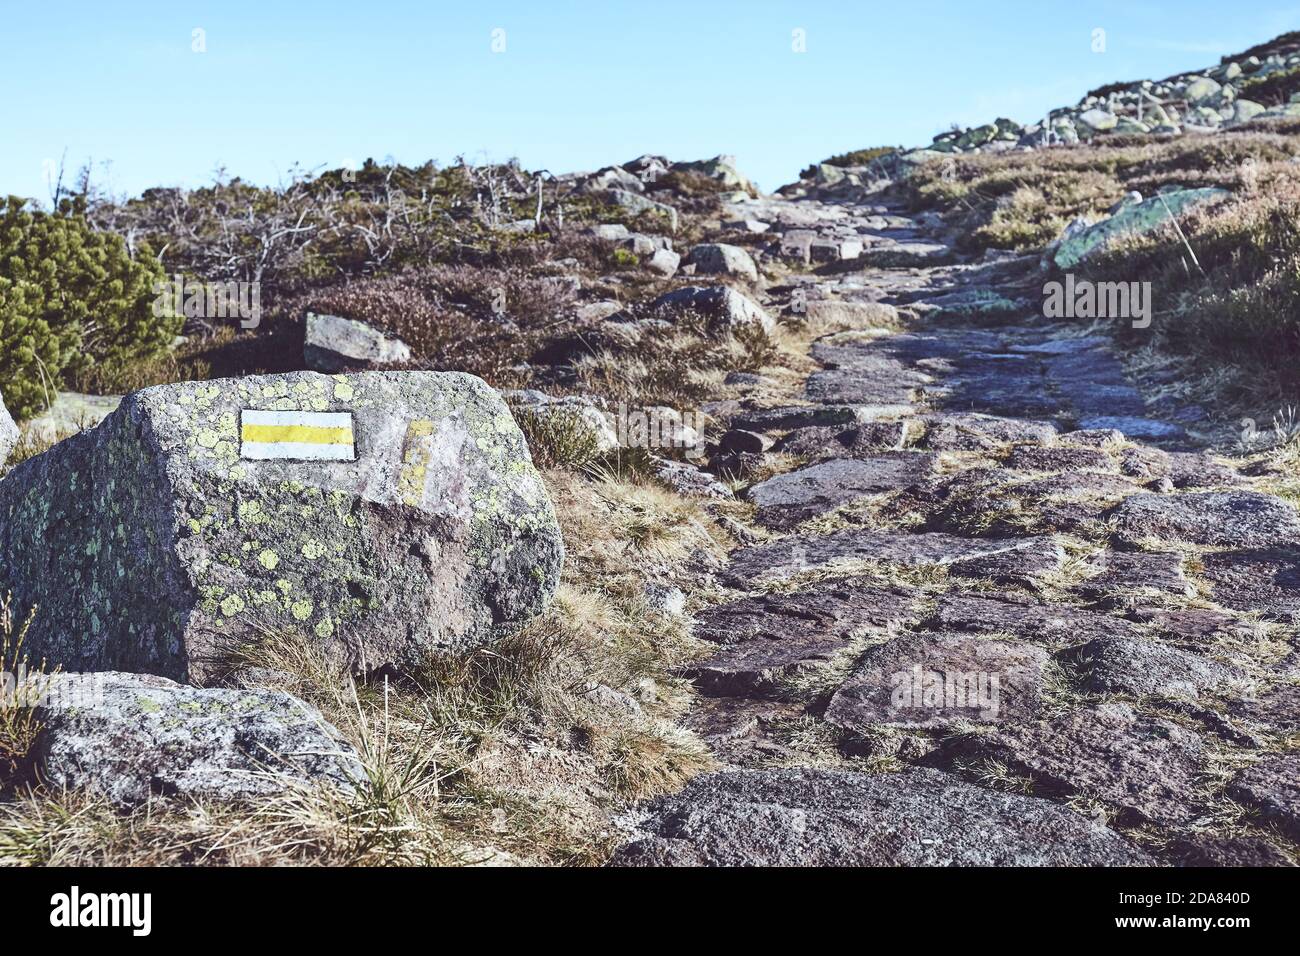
268	559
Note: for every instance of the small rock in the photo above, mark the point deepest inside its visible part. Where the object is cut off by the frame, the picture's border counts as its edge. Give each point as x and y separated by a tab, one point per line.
608	231
788	499
335	344
1145	429
664	262
689	481
725	308
718	258
739	440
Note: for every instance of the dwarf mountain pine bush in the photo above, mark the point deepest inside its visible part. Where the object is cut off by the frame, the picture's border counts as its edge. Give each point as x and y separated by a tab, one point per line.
71	299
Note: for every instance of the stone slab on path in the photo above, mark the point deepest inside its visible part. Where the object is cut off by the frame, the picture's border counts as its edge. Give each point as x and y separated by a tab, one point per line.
768	638
1146	768
1056	625
1266	580
807	817
1234	519
940	681
792	555
1272	789
1135	666
786	500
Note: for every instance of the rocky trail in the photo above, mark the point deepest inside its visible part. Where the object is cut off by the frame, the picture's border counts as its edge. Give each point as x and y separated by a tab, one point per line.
996	570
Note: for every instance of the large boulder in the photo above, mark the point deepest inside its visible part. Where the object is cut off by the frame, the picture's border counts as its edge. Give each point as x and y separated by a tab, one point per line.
386	515
8	431
723	308
1134	219
335	344
130	737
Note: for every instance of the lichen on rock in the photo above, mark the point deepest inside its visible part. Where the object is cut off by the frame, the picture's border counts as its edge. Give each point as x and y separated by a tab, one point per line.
160	546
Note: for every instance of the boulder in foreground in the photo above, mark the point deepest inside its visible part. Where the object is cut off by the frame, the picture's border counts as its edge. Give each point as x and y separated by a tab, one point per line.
130	737
385	515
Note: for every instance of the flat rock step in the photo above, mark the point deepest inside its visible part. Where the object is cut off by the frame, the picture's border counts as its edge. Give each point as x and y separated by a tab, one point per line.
919	817
792	555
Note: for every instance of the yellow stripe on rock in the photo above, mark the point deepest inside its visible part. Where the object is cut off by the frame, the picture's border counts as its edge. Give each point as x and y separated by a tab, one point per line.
299	434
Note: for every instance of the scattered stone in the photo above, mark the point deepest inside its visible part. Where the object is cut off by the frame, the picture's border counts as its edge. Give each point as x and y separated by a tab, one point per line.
688	480
740	440
940	681
132	737
1024	566
664	261
388	516
719	258
788	499
336	344
865	440
807	817
725	308
1116	664
975	432
608	231
1243	519
1145	767
1272	788
575	410
795	416
865	386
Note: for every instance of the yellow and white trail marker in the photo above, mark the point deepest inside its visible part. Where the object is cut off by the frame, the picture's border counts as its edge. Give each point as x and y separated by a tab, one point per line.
303	436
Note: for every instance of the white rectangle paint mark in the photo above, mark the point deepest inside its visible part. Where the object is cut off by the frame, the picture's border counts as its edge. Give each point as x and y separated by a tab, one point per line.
300	436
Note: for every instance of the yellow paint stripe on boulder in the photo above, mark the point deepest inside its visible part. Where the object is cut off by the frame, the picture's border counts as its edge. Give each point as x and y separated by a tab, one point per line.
298	434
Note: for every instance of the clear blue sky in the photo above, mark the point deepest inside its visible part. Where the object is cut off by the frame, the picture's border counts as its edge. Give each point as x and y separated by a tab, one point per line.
579	85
